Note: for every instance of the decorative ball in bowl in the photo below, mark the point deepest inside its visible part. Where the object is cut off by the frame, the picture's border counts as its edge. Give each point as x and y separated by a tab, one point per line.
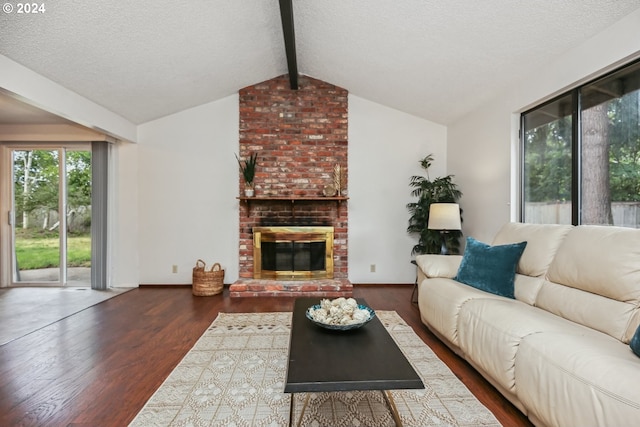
340	314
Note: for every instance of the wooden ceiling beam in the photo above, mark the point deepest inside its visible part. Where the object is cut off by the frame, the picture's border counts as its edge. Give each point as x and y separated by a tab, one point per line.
286	14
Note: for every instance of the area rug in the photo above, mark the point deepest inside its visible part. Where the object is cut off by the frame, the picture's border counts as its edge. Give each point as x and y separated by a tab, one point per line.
234	376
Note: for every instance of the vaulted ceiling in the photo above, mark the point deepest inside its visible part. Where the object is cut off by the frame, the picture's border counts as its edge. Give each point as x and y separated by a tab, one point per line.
431	58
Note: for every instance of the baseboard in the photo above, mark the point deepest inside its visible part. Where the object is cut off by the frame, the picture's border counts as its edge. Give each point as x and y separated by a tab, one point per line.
383	284
182	285
159	285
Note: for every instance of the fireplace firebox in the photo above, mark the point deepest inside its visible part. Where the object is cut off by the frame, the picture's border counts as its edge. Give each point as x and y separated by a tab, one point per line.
293	253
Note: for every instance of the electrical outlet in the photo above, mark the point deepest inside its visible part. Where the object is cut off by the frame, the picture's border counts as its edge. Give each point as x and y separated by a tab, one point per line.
174	268
373	268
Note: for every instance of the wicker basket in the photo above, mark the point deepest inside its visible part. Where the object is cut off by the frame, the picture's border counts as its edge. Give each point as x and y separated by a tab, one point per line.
207	283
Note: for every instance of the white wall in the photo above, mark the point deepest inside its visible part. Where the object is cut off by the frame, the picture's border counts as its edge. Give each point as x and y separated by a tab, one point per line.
482	146
188	187
385	147
47	95
187	192
123	216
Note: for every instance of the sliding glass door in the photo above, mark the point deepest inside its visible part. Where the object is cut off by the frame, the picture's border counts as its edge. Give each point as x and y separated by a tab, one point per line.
51	216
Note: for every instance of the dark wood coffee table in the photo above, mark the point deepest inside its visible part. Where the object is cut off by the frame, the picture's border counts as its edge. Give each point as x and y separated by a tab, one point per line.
367	358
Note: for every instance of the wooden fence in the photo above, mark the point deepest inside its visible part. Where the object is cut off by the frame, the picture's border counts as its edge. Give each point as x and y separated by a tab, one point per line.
625	214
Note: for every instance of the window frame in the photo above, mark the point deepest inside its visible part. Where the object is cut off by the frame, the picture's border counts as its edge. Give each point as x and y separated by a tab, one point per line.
576	143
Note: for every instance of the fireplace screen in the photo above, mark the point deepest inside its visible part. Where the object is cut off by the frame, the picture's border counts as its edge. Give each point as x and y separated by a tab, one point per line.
293	252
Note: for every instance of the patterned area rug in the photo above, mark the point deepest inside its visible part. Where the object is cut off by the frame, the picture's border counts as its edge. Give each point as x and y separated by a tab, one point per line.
235	373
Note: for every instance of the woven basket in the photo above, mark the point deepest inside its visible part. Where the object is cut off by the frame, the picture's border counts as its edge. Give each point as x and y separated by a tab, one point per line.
207	283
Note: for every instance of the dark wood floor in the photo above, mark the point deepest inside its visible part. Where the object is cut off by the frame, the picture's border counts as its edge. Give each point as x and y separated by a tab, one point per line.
98	367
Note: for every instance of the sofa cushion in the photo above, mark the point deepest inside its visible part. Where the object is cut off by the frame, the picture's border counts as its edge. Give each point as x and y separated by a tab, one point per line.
490	268
526	288
565	379
440	300
595	311
635	342
489	333
601	261
542	240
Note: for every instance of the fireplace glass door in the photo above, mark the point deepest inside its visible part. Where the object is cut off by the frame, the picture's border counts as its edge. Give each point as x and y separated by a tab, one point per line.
293	256
293	252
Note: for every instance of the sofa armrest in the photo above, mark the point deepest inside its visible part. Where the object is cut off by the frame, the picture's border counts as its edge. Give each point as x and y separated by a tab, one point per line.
439	265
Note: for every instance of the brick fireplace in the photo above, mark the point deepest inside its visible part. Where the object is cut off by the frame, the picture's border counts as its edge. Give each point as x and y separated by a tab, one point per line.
300	136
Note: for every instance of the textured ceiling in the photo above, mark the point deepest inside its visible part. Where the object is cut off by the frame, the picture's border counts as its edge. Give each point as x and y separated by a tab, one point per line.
431	58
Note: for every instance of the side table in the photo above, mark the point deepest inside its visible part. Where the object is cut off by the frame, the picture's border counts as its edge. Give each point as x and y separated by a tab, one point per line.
414	294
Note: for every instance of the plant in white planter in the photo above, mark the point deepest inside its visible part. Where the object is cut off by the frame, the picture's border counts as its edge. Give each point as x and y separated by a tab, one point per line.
248	170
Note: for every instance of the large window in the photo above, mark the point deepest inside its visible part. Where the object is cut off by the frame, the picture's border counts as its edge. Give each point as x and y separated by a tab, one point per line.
581	154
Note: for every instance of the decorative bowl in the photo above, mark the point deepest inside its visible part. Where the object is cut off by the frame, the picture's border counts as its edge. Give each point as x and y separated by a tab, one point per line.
372	314
329	191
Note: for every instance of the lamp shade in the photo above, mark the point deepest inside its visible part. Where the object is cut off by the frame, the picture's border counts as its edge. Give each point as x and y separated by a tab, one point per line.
444	216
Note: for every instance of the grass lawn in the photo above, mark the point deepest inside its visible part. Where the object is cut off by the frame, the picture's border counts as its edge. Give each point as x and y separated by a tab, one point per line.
42	250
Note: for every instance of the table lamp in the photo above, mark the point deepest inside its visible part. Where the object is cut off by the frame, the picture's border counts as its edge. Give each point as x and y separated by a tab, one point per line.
444	217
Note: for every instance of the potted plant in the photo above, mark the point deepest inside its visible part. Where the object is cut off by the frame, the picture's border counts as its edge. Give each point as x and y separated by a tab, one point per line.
440	190
248	169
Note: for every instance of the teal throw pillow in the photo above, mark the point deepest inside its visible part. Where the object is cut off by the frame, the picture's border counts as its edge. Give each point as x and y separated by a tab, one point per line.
490	268
635	342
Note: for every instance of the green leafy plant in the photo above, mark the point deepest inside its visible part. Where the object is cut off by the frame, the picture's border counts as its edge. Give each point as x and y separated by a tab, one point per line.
248	168
440	190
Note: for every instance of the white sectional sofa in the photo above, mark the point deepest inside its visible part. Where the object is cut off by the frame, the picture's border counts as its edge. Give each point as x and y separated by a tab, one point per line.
559	350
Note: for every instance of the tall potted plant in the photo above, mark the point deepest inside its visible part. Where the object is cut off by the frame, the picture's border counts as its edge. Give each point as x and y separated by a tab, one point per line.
248	170
440	190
